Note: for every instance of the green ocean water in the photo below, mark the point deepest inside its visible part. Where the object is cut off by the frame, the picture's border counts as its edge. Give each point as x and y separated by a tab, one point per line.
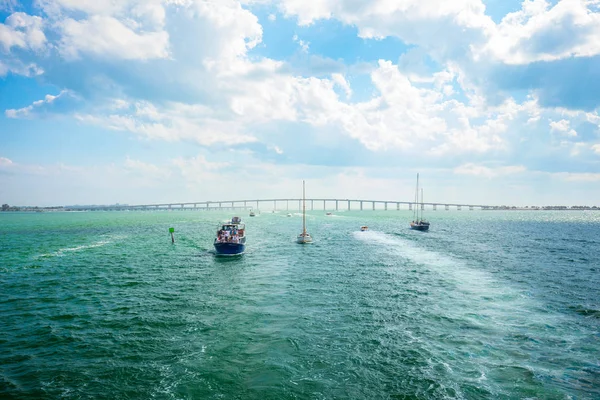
487	305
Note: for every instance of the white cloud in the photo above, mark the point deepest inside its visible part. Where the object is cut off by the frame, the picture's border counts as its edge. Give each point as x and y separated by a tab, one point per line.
217	31
272	17
578	176
596	148
173	122
562	126
5	162
107	36
484	55
342	83
26	112
276	149
303	45
487	172
441	27
100	7
199	169
23	31
539	32
146	169
8	5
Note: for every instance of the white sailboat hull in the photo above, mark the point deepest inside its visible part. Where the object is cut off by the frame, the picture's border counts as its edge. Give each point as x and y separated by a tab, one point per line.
304	239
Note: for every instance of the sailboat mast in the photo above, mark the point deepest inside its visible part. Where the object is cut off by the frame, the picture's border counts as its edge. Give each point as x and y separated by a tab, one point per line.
303	210
416	212
422	203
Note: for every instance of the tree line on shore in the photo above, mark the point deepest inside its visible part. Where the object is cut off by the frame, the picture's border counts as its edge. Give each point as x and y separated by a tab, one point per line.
6	207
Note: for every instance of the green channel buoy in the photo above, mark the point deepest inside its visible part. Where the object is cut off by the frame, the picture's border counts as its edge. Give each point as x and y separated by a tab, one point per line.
172	231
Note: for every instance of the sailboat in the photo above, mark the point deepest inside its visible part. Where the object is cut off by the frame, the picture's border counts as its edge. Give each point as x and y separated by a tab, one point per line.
418	223
304	237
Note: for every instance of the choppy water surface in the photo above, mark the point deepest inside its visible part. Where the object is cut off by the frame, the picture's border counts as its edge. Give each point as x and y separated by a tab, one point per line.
485	305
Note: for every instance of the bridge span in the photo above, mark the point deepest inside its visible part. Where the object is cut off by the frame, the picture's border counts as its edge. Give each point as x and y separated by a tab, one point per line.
285	204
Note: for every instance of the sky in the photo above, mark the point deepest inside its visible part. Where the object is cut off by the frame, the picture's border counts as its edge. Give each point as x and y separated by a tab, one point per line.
149	101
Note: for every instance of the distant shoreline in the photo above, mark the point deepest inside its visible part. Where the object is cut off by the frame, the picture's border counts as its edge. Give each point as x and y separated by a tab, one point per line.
60	209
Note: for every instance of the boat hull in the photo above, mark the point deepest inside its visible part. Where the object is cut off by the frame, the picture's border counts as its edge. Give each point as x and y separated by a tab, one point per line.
304	239
420	227
230	249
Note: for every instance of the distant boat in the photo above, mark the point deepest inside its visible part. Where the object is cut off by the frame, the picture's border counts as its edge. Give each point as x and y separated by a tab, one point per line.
328	213
304	237
252	214
364	228
289	215
418	223
231	238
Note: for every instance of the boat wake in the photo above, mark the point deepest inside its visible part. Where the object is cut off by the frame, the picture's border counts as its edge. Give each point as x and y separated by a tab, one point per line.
491	315
469	287
69	250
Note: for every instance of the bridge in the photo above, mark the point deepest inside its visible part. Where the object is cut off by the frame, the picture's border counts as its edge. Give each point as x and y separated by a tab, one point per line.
284	204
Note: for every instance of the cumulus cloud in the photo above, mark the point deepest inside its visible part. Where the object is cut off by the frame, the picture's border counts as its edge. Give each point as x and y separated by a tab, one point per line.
551	49
24	31
109	37
172	122
539	32
189	70
562	126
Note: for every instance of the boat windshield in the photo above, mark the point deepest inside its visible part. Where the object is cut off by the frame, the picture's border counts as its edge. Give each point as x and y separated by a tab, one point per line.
230	233
231	227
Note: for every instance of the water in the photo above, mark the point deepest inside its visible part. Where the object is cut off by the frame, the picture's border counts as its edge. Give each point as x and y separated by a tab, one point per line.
493	304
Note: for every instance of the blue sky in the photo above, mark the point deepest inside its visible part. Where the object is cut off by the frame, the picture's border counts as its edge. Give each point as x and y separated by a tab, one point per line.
141	101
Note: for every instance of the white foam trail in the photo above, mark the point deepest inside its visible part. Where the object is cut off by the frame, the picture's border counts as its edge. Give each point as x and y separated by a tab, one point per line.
64	251
494	299
469	279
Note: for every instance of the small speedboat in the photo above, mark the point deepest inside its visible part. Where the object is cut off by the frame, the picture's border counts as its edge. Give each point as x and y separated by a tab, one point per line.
364	228
328	213
252	214
289	215
231	238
